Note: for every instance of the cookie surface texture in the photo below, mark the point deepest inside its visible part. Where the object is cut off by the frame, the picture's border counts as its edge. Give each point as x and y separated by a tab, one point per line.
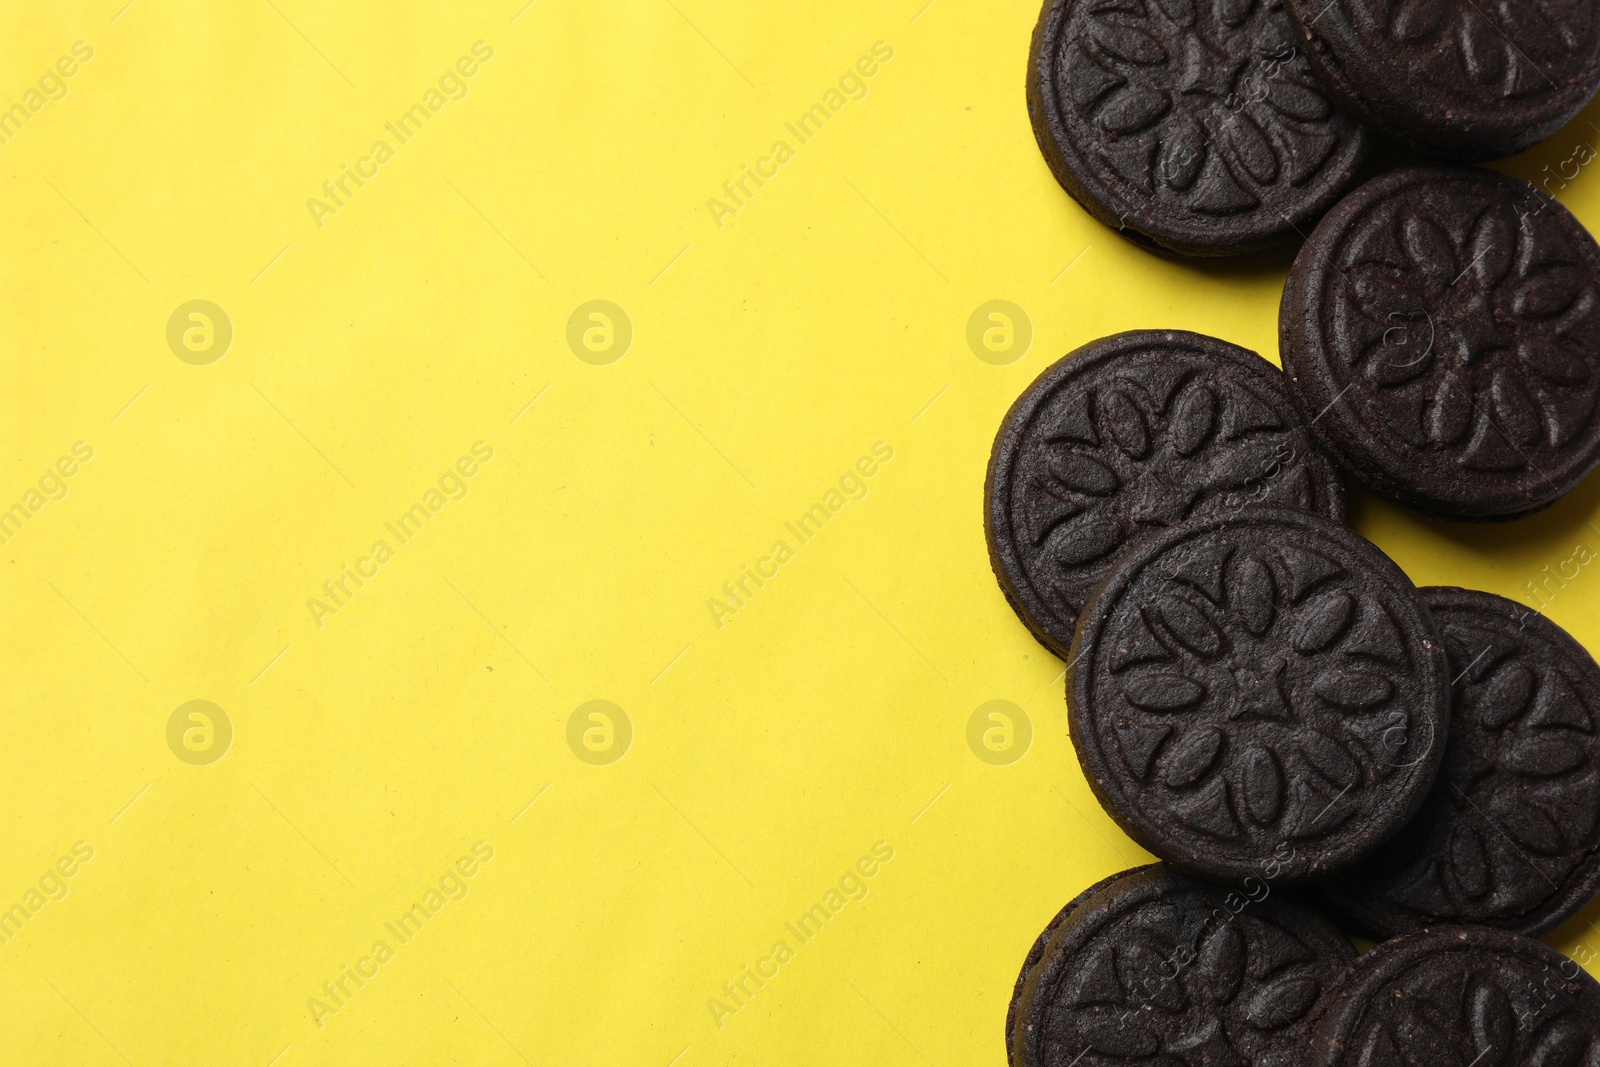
1159	968
1441	328
1456	80
1036	950
1193	125
1258	696
1460	996
1129	434
1510	835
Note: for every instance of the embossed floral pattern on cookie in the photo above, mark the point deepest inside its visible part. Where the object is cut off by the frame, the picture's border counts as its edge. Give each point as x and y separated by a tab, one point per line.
1457	80
1460	997
1246	683
1449	321
1132	434
1510	835
1161	969
1198	120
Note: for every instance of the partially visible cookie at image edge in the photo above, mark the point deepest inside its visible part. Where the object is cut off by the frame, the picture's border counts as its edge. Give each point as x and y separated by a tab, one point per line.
1510	833
1456	81
1154	966
1460	995
1036	951
1195	126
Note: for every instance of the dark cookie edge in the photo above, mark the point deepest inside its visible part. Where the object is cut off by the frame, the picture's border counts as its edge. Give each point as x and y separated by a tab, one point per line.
1002	453
1090	625
1044	116
1575	892
1300	349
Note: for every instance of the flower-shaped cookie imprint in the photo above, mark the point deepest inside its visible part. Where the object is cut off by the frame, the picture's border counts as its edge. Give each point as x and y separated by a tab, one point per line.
1202	104
1462	1012
1472	331
1139	446
1517	806
1230	993
1255	692
1507	50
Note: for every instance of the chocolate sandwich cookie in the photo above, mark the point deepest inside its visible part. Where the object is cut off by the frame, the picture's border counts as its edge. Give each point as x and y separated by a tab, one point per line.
1456	81
1258	696
1459	997
1510	835
1157	968
1036	952
1441	328
1128	434
1191	125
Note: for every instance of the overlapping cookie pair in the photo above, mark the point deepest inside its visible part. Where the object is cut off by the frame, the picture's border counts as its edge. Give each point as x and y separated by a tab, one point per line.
1151	967
1440	325
1261	698
1211	127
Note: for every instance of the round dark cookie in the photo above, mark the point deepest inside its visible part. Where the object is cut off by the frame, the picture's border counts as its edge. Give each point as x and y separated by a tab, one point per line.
1128	434
1236	690
1036	951
1441	329
1453	80
1459	996
1510	834
1193	125
1159	968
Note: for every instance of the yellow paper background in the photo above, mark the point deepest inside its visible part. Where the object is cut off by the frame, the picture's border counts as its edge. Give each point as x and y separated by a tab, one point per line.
769	354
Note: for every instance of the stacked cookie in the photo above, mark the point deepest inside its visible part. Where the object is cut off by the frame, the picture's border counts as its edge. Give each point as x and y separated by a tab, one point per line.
1257	694
1440	325
1210	127
1261	698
